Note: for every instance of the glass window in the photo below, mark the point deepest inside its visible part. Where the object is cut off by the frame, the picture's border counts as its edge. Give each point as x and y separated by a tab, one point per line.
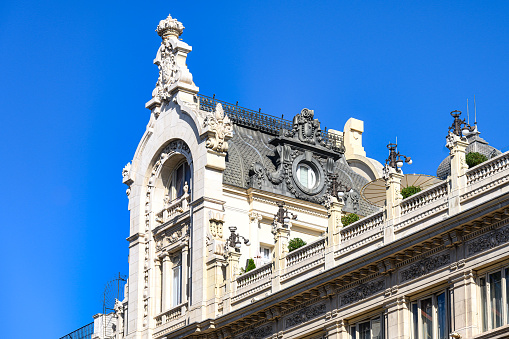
431	317
494	291
176	290
368	329
265	254
306	176
177	180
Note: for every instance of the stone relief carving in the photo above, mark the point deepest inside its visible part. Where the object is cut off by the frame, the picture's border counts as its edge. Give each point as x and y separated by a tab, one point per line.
306	129
171	236
257	333
488	241
220	130
362	291
126	179
216	221
305	314
169	72
425	266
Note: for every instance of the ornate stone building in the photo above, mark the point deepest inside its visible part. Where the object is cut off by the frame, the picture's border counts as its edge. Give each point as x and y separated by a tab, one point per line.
210	178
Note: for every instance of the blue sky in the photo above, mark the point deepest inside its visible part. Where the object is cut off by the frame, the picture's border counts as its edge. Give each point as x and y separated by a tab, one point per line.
75	77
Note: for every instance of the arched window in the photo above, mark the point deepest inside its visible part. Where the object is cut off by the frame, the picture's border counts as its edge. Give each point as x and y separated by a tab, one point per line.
176	181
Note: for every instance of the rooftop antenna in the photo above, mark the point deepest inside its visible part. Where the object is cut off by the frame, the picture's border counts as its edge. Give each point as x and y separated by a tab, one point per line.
475	113
468	115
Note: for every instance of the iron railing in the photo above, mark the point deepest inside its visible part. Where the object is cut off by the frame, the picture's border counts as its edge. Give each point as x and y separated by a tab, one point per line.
84	332
261	121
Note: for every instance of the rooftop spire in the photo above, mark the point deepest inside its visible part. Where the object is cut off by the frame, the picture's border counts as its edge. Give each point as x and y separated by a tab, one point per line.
169	27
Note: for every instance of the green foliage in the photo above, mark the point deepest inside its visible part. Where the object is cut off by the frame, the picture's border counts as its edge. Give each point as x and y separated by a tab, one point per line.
409	191
250	265
474	159
295	243
349	218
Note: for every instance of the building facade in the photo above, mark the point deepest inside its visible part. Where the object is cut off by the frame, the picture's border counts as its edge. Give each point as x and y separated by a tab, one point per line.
212	185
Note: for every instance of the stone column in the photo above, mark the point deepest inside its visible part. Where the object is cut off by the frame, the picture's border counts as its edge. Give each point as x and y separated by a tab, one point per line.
392	201
336	330
457	179
281	234
397	319
185	272
232	270
464	305
333	228
166	281
158	277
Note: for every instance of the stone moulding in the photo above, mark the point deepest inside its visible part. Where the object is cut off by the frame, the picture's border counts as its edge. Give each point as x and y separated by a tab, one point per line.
361	292
425	266
305	314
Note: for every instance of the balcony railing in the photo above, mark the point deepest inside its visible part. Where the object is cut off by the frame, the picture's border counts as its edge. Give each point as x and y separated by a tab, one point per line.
171	314
362	226
173	208
254	276
423	198
316	248
488	168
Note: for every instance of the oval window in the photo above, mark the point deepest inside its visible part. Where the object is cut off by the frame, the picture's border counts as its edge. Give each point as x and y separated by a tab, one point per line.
306	176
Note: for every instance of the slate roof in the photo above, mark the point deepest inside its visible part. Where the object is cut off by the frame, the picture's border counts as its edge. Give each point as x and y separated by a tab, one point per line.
249	145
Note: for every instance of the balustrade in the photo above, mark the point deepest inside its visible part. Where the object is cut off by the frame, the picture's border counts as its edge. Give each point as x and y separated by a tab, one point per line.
254	276
171	314
362	226
424	198
174	208
488	168
316	248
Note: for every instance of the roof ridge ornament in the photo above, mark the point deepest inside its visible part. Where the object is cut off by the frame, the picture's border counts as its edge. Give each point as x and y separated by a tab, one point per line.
169	27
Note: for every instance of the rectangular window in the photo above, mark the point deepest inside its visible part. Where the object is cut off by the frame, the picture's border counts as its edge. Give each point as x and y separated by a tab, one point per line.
442	316
484	311
415	320
494	289
431	317
368	329
177	286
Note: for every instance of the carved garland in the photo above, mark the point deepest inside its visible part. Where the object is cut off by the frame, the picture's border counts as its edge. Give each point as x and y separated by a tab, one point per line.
174	147
362	291
305	314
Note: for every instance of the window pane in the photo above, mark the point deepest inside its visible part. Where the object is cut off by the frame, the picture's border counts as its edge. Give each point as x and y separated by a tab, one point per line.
415	318
376	328
484	306
176	285
442	316
507	294
496	299
427	318
303	175
353	332
364	331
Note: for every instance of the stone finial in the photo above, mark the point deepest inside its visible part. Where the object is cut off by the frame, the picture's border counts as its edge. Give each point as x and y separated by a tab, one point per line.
169	27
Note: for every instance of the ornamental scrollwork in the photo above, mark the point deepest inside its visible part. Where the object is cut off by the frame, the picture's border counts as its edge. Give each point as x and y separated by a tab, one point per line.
362	291
305	314
220	130
425	266
489	240
306	129
257	333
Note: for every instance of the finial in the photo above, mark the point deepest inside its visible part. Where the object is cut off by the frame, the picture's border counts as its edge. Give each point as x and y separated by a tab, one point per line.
169	27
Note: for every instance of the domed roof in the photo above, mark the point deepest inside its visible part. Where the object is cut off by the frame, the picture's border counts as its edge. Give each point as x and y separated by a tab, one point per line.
475	144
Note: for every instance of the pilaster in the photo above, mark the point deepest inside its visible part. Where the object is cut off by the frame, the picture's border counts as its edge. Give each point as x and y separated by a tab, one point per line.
457	179
464	305
333	228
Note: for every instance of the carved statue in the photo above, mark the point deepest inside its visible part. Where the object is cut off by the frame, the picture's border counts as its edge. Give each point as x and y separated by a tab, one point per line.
220	130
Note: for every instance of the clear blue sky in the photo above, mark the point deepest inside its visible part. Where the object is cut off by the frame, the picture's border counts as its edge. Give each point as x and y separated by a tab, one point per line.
75	76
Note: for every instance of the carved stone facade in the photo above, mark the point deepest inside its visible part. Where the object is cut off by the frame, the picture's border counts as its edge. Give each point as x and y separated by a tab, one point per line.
231	168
